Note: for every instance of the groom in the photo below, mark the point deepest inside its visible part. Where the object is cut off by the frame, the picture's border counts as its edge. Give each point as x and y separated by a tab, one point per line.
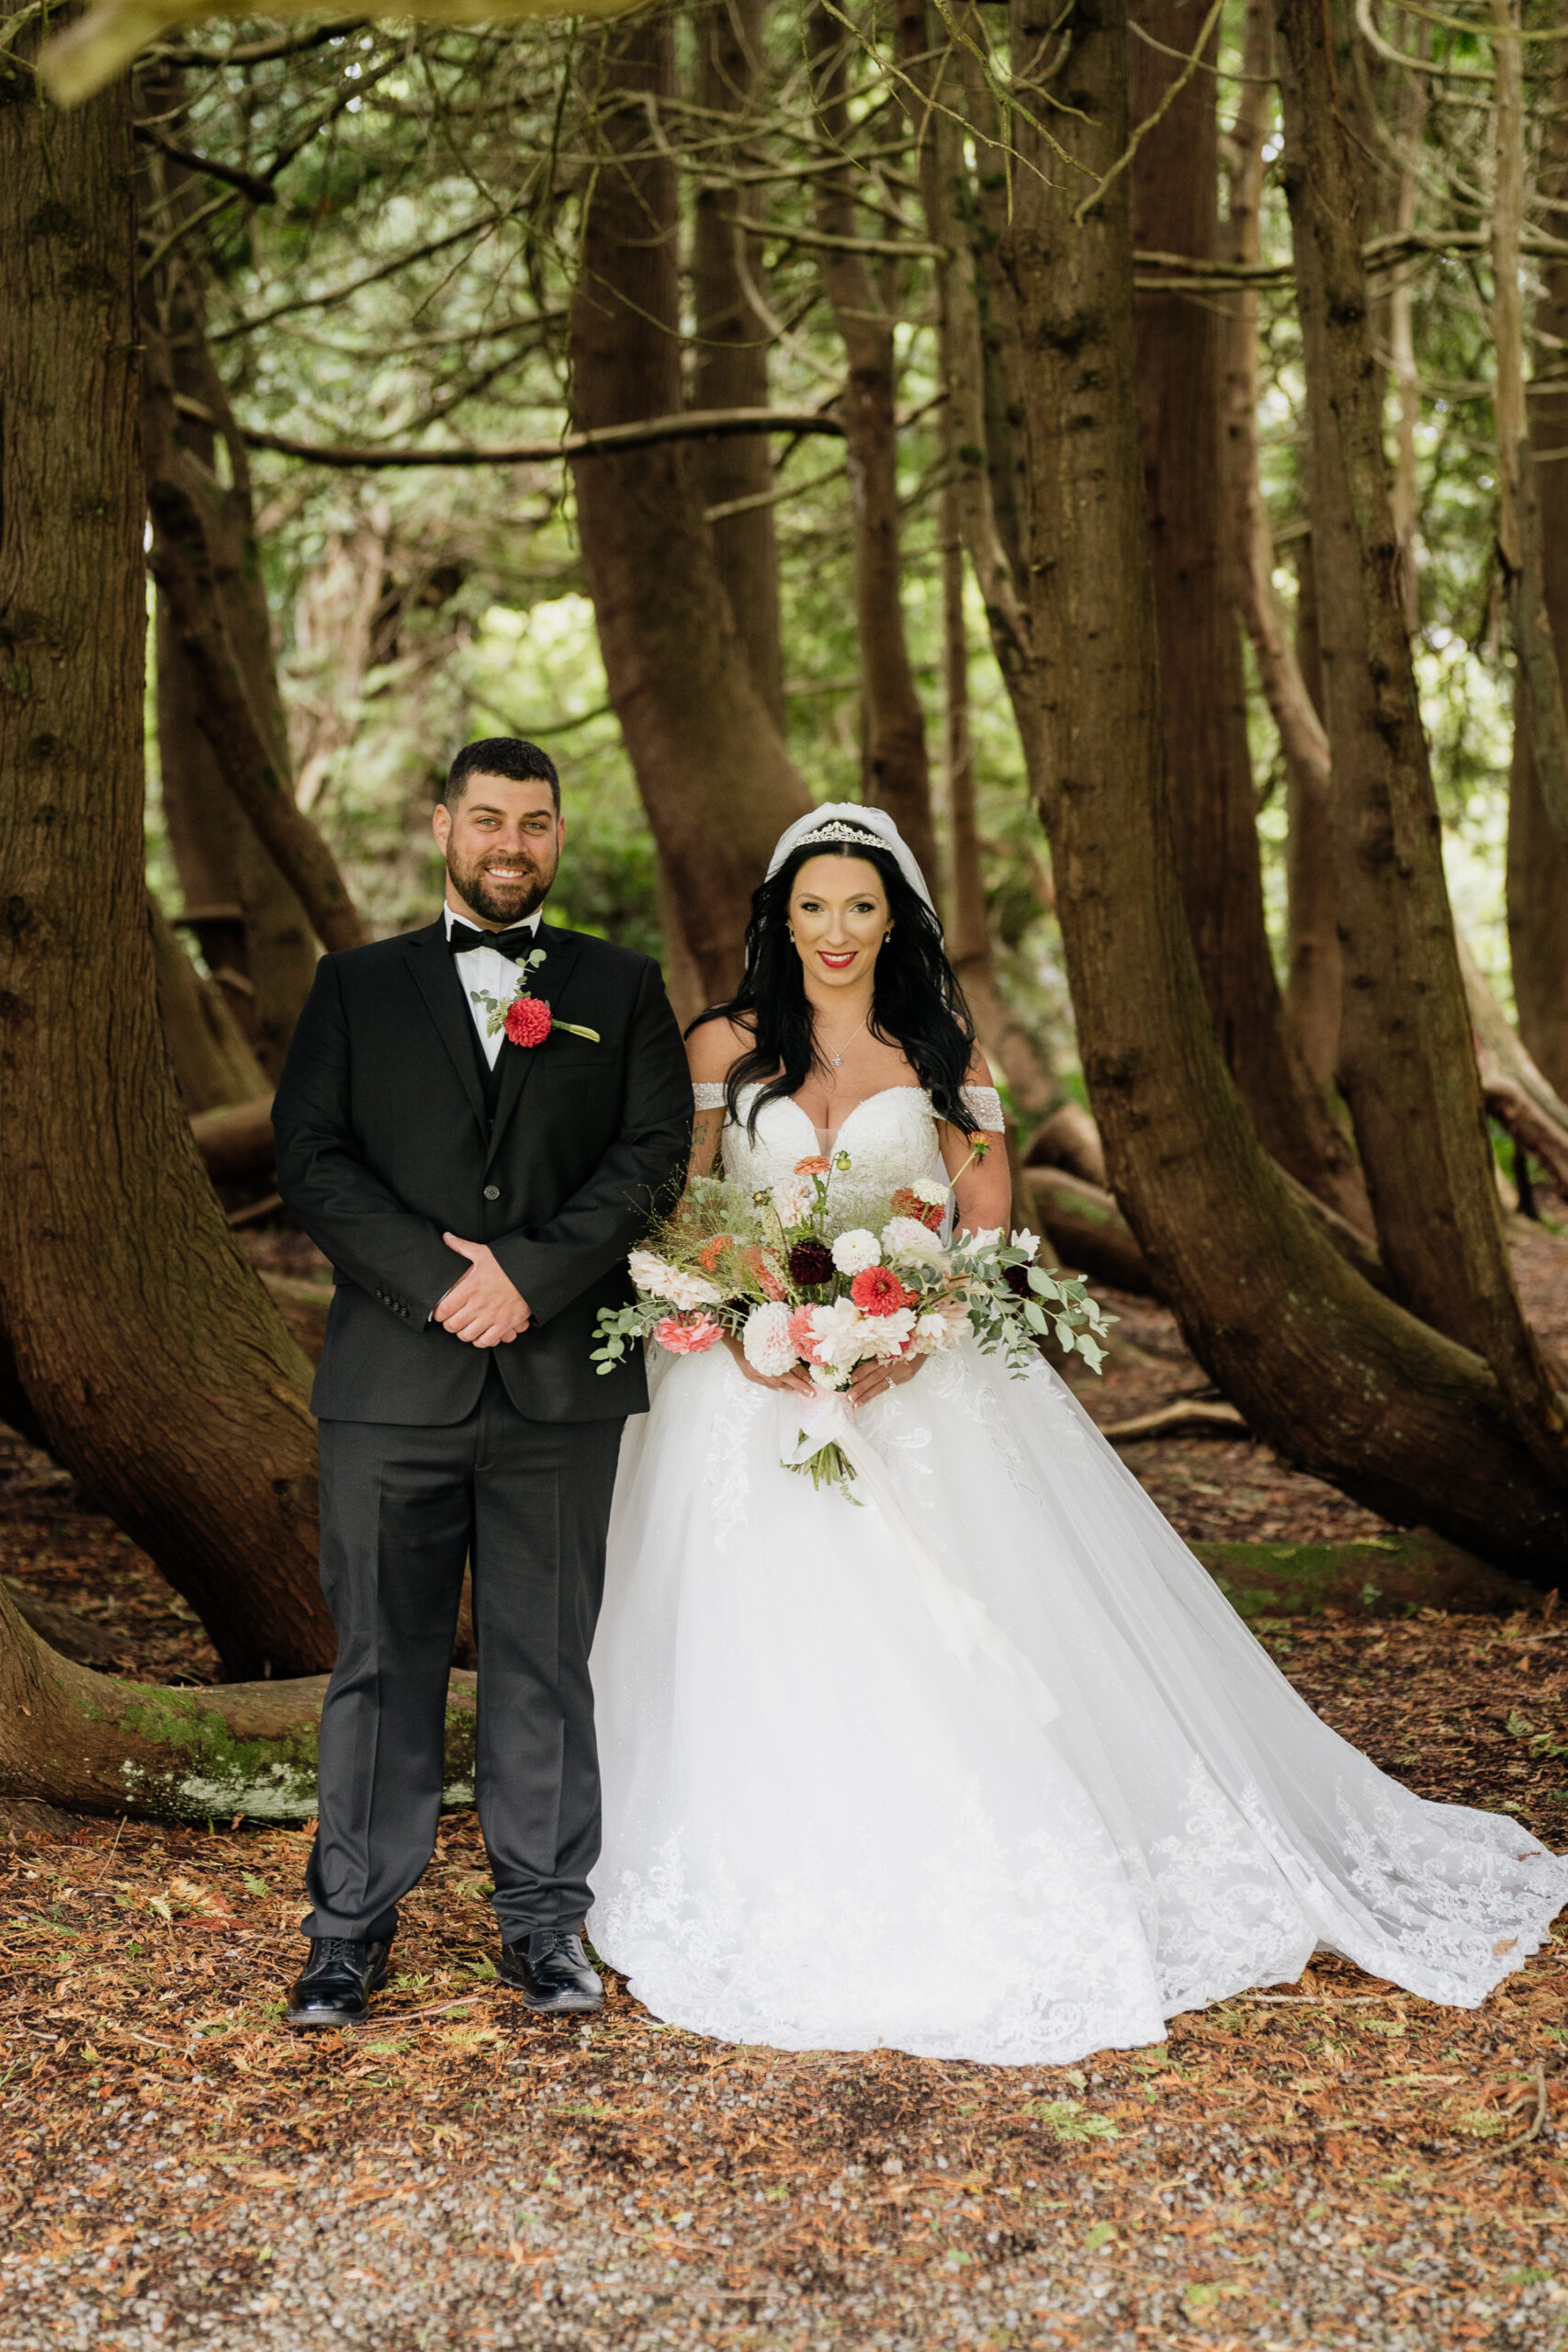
476	1198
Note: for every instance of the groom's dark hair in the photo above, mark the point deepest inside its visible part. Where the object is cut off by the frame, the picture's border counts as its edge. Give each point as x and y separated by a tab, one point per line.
505	755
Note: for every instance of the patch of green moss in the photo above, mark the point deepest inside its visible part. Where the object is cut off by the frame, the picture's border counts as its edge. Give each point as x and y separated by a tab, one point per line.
219	1773
1392	1577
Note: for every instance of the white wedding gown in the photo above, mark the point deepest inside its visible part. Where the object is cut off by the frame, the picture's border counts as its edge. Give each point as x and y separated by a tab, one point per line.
827	1827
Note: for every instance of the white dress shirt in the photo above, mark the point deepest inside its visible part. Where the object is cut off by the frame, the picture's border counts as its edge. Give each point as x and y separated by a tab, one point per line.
484	972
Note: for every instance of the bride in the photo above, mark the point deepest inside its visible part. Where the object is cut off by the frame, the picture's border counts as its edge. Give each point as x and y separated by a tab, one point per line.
827	1827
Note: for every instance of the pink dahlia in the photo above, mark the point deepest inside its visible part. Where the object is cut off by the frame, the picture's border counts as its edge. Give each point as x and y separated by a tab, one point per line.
878	1291
687	1338
815	1166
803	1339
527	1021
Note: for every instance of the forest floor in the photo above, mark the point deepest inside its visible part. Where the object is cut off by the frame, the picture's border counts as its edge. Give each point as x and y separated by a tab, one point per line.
1331	2163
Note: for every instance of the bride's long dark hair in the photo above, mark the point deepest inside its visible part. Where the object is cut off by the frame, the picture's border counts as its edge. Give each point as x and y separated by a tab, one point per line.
916	1004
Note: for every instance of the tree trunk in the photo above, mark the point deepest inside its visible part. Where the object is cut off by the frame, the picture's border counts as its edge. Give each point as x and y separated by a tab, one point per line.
1537	855
730	359
1292	686
973	294
149	1350
710	764
252	927
216	626
70	1736
1520	549
895	773
1315	976
1339	1380
212	1061
1406	1058
1182	355
965	518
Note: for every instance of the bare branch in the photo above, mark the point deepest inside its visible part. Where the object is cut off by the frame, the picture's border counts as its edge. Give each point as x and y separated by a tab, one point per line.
694	425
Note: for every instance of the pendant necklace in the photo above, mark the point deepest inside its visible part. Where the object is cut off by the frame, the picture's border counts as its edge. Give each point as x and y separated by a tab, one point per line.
838	1059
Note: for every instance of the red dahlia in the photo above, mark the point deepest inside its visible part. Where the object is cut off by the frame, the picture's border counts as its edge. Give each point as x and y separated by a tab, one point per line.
879	1291
810	1265
527	1021
910	1203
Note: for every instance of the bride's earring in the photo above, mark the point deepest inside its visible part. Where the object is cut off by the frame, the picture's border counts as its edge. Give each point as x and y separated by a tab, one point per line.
886	936
790	928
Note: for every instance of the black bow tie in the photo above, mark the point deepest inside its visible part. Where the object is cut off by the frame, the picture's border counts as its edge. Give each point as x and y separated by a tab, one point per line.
462	939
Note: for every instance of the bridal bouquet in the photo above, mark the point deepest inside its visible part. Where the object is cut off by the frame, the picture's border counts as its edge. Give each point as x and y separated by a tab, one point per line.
803	1288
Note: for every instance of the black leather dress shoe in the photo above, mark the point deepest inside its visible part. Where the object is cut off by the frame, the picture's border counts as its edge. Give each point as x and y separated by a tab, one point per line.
553	1974
335	1984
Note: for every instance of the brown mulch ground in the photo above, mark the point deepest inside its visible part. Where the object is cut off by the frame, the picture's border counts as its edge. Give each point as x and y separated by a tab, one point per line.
1333	2163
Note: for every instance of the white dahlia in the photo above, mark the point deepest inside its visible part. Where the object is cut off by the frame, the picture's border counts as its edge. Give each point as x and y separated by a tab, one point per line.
794	1198
650	1274
840	1335
766	1342
888	1333
927	1189
906	1238
855	1251
933	1332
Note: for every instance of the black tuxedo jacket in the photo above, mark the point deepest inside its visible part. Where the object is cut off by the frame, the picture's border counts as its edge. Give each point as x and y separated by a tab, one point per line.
385	1140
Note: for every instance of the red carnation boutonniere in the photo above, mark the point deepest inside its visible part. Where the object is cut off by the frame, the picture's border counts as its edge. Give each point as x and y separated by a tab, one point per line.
527	1020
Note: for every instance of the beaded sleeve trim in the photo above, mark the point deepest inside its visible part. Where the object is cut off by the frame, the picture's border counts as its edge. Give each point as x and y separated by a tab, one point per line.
707	1096
986	1105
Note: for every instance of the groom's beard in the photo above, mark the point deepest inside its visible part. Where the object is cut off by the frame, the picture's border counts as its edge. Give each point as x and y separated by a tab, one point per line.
511	900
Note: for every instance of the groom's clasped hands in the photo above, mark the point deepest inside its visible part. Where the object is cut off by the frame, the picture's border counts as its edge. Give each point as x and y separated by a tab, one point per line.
483	1308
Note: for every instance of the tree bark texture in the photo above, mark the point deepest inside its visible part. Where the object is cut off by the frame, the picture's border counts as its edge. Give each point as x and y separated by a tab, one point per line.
1520	550
89	1741
188	564
1183	348
1315	974
1290	690
1338	1379
152	1356
730	357
895	770
252	927
972	289
711	766
1538	853
1406	1059
212	1059
966	520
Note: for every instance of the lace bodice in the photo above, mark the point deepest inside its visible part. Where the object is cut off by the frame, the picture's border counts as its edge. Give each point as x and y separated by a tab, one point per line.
891	1138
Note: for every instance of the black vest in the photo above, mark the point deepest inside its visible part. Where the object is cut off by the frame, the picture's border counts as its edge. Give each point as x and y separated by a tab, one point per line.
489	1079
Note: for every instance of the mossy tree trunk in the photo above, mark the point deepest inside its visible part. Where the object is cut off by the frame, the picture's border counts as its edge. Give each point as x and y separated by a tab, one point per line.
156	1365
70	1736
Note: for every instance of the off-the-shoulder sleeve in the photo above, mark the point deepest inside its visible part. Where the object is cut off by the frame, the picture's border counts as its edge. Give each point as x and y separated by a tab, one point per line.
710	1096
984	1103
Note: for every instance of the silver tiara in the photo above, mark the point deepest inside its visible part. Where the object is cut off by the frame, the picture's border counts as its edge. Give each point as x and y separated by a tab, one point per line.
837	832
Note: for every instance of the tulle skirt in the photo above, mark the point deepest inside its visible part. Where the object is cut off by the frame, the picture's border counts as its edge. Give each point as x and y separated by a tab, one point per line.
829	1824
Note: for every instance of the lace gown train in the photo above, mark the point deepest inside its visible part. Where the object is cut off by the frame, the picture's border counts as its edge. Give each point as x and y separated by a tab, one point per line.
825	1827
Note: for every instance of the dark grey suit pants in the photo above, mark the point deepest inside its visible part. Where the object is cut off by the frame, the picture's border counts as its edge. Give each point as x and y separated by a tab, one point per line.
402	1510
